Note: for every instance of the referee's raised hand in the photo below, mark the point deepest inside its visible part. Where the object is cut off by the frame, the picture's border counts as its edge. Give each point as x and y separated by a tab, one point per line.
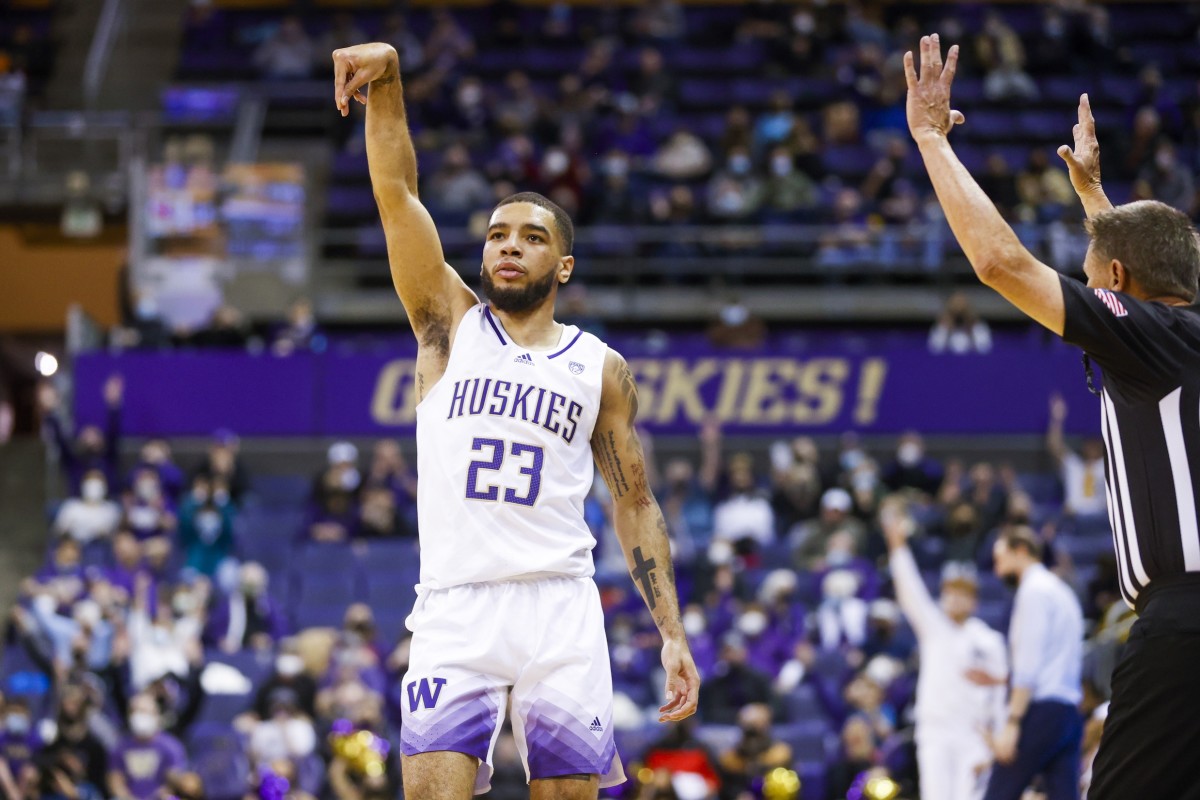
928	105
1083	160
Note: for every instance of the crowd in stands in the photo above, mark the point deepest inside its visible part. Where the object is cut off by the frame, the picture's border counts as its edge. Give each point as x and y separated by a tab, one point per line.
764	113
200	632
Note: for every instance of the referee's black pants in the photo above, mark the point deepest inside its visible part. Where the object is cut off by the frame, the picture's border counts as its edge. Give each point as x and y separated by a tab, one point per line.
1151	743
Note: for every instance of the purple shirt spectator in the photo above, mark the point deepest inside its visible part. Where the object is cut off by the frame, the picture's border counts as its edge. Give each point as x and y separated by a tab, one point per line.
145	763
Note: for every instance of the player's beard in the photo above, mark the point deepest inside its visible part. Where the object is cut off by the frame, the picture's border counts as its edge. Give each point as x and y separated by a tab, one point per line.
517	299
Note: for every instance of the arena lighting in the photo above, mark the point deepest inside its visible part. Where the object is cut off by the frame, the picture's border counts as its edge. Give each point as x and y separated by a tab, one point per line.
45	363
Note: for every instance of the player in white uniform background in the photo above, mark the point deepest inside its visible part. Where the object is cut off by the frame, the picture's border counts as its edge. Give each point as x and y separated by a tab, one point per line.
955	718
513	408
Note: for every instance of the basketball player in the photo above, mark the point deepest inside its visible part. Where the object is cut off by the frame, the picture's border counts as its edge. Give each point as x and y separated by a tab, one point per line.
512	408
955	717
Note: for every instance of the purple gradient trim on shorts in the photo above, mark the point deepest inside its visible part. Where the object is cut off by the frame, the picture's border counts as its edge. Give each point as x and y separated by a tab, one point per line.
560	744
464	727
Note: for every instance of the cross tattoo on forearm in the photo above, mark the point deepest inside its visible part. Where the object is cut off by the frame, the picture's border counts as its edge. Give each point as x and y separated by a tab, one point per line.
641	574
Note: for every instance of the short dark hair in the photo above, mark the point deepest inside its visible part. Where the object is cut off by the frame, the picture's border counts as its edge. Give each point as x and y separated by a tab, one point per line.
562	220
1022	537
1155	242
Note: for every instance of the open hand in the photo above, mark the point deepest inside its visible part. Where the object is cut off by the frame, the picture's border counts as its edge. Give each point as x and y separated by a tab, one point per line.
683	683
1083	161
928	106
355	67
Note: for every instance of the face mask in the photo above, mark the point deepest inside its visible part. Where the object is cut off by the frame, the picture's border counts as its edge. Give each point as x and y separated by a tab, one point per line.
909	453
739	164
143	724
184	604
143	517
804	22
734	314
851	459
752	623
1164	161
220	497
251	589
147	308
200	495
94	490
693	623
147	489
17	724
350	480
289	665
208	525
616	167
838	558
470	95
781	165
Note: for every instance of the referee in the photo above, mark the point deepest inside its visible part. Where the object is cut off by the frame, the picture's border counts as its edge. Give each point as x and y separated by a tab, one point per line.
1133	320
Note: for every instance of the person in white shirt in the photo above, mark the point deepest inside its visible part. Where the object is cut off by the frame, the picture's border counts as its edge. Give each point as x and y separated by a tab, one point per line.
746	513
1043	731
954	716
91	516
1083	472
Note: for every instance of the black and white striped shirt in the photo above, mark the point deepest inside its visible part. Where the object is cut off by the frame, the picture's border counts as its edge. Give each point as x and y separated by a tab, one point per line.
1150	417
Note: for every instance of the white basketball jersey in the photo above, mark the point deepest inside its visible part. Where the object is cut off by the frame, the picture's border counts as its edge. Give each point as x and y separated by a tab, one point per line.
504	457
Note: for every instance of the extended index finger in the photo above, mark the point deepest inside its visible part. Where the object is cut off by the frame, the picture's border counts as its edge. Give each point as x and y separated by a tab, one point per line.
1085	115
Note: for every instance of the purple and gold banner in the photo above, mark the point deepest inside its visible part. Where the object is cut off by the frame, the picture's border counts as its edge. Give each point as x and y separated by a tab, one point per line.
824	383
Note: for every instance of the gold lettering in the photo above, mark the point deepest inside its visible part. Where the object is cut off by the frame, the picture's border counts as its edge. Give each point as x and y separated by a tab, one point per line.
647	372
870	389
732	381
681	390
820	384
393	402
763	403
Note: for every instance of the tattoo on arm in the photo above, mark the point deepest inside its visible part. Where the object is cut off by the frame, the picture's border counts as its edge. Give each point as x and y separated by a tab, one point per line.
610	463
644	574
629	387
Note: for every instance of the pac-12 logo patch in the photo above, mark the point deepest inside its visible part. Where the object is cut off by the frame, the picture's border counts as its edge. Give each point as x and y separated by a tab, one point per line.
575	367
1112	301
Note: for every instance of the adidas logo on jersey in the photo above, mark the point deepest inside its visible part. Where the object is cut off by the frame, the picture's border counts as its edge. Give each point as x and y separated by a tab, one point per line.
596	727
524	358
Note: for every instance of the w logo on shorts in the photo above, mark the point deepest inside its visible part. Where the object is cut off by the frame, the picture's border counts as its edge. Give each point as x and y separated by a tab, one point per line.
420	693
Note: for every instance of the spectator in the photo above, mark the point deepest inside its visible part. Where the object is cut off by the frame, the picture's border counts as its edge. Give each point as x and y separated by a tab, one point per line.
248	617
1082	473
1009	82
156	455
1000	185
168	642
912	468
734	684
344	32
795	482
285	734
735	192
148	512
652	85
456	185
62	578
738	133
448	45
75	737
812	539
518	107
859	754
848	240
92	516
681	754
1167	180
85	631
1044	190
683	157
94	448
335	494
378	517
126	564
775	126
223	467
841	617
227	329
290	674
300	332
736	326
147	757
788	190
408	47
19	745
288	52
756	753
659	20
745	514
206	529
959	330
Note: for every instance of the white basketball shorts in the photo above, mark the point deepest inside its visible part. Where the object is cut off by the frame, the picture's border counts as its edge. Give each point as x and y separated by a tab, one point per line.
541	640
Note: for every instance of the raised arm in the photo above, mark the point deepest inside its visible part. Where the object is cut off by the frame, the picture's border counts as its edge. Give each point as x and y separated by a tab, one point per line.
1083	162
919	607
995	252
434	296
1056	445
642	531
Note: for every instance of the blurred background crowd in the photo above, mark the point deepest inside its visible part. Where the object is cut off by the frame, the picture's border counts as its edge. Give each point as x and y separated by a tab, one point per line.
203	629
